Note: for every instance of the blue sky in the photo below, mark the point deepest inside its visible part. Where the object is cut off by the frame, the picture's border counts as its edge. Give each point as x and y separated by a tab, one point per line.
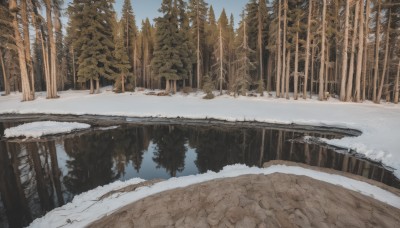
149	8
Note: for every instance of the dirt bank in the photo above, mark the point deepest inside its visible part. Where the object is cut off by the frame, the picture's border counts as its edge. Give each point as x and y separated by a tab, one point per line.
276	200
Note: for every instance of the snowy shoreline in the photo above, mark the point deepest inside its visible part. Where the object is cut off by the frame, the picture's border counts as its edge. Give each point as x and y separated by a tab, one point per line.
379	124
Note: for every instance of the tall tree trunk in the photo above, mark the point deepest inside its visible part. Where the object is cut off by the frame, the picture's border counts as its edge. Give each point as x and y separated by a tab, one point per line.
221	56
296	64
312	70
135	62
6	83
321	69
27	42
27	94
344	53
167	86
73	67
91	86
287	75
198	48
307	49
285	6
360	51
396	85
98	85
260	46
123	83
327	66
377	34
365	57
52	91
278	67
385	61
349	89
269	74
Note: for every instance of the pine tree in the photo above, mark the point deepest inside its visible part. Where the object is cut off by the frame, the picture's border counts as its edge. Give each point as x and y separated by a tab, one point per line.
186	49
244	63
167	60
130	35
94	40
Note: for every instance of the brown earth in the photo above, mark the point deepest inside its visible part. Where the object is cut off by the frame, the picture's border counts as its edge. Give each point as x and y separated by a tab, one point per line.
276	200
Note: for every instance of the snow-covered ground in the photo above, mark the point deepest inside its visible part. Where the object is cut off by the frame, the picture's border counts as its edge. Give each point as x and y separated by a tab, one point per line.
380	124
87	207
41	128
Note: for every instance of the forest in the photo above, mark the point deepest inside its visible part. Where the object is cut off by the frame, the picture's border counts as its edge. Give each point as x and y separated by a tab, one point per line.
293	49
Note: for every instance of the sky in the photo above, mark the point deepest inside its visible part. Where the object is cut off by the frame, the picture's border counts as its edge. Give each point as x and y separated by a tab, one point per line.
149	8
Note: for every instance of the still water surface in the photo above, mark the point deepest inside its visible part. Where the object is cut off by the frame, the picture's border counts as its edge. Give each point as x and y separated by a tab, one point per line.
39	175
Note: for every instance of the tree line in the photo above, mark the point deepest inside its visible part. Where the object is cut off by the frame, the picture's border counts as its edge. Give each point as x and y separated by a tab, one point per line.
343	48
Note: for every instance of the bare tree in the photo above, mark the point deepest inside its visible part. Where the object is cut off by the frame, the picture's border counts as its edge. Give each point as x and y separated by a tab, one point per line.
344	53
321	69
349	88
307	49
365	57
396	85
377	34
278	45
360	51
385	61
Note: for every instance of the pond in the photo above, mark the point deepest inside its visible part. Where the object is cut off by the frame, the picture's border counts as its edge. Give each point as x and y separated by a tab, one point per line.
38	175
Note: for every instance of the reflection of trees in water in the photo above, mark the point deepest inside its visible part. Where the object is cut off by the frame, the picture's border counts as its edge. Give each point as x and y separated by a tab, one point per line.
90	164
95	154
170	150
14	201
132	143
29	180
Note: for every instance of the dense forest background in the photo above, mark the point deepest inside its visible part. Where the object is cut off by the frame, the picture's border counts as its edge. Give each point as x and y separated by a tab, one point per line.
348	49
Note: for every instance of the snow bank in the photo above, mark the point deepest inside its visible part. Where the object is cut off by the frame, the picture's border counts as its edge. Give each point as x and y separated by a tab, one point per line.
41	128
379	124
86	208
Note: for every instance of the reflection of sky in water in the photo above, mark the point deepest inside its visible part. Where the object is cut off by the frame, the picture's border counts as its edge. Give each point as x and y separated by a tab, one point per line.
148	169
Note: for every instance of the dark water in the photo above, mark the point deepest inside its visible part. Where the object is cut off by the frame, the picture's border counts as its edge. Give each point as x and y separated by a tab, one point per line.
37	176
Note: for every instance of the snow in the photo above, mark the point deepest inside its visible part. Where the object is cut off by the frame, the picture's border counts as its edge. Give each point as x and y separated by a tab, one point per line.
87	208
41	128
379	124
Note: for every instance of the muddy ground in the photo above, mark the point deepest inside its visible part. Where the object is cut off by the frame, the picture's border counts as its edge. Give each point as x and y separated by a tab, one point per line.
276	200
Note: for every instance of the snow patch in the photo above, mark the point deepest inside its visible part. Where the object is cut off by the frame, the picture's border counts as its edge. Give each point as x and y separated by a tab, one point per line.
87	208
41	128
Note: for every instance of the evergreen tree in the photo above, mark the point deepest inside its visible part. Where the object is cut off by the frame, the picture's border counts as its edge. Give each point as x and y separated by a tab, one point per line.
244	63
167	60
95	41
130	34
186	49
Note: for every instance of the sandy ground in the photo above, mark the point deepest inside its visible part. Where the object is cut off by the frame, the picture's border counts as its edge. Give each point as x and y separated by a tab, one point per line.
276	200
